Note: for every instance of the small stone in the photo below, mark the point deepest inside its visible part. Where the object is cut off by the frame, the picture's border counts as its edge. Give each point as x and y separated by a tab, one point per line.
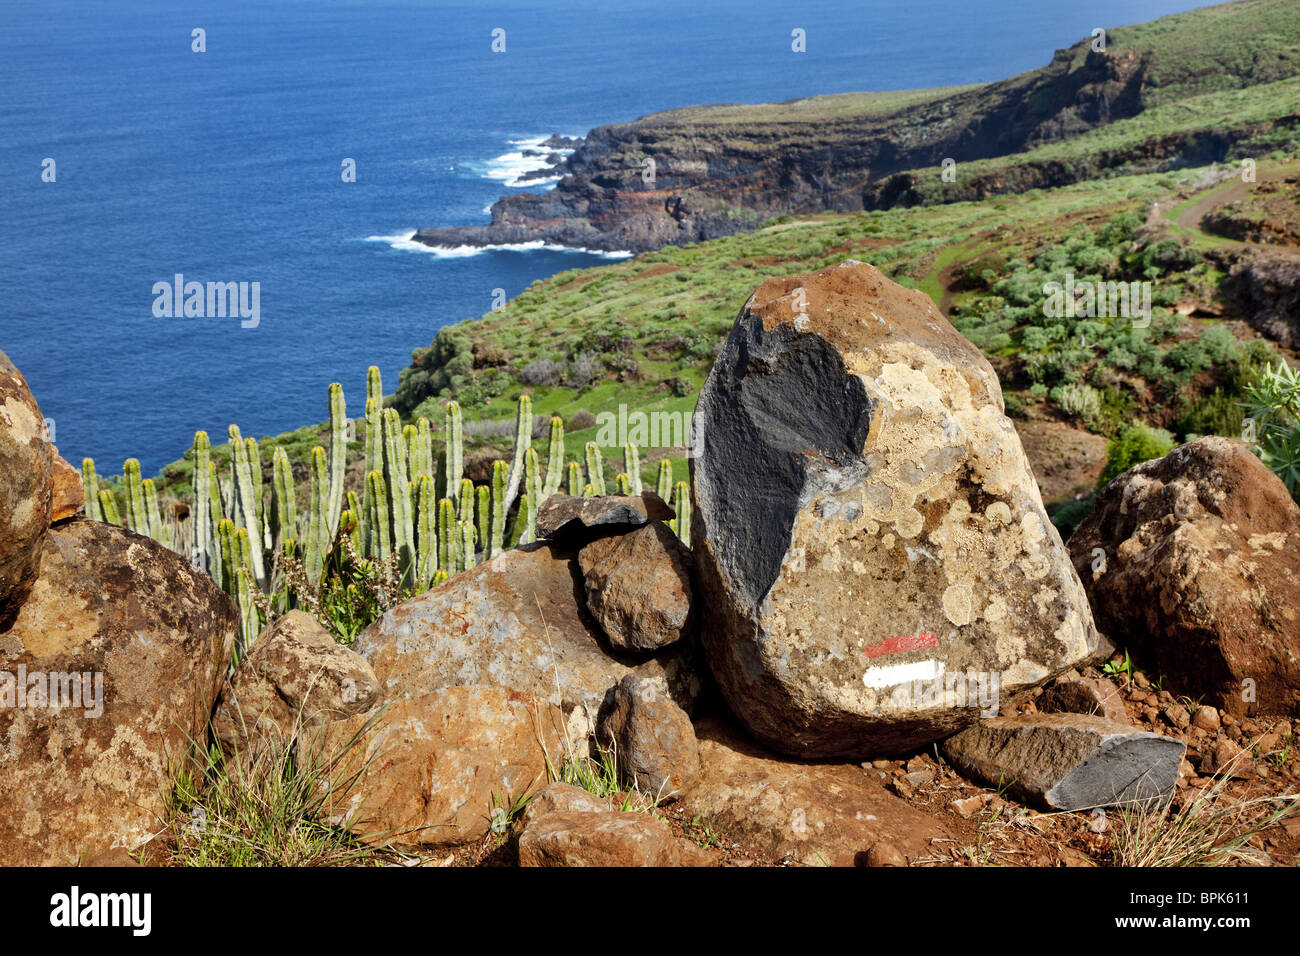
1140	680
920	778
884	854
969	806
638	587
1176	715
1206	718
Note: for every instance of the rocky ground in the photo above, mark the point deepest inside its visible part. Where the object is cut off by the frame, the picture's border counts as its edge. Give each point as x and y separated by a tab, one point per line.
876	650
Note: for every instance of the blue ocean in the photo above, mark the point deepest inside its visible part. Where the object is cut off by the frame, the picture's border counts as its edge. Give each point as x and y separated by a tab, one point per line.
227	165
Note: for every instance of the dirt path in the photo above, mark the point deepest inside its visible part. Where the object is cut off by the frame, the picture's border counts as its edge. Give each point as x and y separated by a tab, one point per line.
1234	190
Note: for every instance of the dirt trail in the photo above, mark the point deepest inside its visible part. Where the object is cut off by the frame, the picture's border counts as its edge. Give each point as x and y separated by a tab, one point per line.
1221	195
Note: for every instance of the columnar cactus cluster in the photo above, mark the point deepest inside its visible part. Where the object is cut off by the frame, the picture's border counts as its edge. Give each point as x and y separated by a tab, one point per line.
433	519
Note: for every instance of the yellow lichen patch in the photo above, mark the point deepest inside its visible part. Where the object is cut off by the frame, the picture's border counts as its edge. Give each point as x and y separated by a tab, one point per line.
957	604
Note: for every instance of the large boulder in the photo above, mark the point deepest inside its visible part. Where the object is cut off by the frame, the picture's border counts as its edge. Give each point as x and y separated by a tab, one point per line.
870	542
1193	561
294	676
26	487
440	769
515	621
142	642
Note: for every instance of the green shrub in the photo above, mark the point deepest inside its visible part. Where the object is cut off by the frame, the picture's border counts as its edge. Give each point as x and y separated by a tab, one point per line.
1273	422
1082	402
1132	445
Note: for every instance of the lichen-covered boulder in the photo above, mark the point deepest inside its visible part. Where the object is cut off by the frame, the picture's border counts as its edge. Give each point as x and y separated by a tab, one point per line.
107	676
875	565
26	487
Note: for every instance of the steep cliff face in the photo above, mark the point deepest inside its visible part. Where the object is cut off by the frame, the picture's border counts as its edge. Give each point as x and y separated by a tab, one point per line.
703	172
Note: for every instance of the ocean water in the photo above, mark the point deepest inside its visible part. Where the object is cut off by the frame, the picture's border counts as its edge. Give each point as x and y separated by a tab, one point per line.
225	166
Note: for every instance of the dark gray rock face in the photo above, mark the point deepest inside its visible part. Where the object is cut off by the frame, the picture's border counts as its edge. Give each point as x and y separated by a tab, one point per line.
1069	761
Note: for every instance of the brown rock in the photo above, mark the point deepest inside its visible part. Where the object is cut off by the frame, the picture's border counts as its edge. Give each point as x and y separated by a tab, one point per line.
1085	696
557	797
812	814
1202	574
607	838
68	496
152	639
887	546
515	621
295	675
26	487
434	768
639	587
580	519
652	737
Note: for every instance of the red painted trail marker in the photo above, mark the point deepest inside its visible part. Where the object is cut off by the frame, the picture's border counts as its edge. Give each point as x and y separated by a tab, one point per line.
908	642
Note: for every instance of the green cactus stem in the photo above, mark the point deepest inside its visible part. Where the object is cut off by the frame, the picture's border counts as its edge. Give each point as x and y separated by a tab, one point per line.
595	468
632	464
427	558
665	489
575	479
201	518
135	515
338	463
499	508
523	441
108	505
447	544
245	504
555	458
454	454
90	490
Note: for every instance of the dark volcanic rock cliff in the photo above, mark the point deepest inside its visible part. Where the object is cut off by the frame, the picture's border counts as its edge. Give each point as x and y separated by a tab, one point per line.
702	172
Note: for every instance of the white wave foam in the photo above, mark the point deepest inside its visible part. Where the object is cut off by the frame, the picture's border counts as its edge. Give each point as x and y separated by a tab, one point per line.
406	242
511	167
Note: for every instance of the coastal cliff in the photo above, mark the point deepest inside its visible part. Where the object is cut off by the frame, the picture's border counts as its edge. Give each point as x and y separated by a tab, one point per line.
699	173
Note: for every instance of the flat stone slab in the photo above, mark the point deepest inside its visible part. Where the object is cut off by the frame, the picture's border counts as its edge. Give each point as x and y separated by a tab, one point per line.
565	515
1068	761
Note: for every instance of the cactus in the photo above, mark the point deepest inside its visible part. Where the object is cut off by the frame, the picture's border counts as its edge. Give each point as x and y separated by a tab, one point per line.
422	462
381	545
525	527
245	504
447	556
499	508
682	506
427	559
466	544
249	618
317	544
575	479
108	506
665	488
555	458
152	517
135	515
201	518
465	501
338	461
255	467
453	457
483	530
90	490
226	555
589	491
399	490
621	484
595	468
632	465
284	506
523	441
